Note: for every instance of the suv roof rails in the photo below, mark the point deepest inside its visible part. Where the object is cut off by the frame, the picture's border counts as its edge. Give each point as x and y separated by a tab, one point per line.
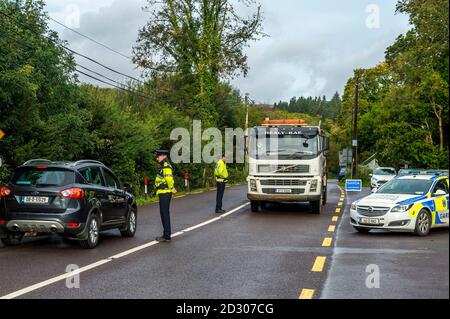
40	160
87	161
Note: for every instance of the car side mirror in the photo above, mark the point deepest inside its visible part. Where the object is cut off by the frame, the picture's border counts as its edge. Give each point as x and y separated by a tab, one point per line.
439	192
127	187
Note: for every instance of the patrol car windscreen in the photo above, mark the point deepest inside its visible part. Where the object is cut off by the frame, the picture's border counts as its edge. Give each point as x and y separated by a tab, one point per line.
384	171
42	177
284	144
406	187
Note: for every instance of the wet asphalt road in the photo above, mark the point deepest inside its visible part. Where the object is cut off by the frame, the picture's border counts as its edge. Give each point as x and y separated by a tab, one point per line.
244	255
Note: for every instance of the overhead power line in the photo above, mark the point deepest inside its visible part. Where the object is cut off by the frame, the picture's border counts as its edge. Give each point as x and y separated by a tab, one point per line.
91	39
75	52
117	84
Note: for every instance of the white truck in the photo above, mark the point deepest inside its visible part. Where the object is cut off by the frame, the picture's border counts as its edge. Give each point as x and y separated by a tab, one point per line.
287	162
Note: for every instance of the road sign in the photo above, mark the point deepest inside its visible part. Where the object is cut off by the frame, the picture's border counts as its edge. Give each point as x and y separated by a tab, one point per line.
2	134
353	185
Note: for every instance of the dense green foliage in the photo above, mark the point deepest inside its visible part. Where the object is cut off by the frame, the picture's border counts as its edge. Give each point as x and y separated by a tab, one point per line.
47	113
317	106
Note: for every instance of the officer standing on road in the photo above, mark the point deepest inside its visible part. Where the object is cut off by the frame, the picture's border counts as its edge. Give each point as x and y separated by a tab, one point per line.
164	184
221	174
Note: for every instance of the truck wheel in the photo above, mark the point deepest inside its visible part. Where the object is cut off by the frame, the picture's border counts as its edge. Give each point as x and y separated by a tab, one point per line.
254	206
317	207
324	196
12	240
263	205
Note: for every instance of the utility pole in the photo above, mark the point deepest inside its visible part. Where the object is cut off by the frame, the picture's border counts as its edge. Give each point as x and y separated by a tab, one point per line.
246	101
355	127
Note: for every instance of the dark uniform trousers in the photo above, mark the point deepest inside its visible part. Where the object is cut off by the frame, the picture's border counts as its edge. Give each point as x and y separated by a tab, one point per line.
220	192
164	205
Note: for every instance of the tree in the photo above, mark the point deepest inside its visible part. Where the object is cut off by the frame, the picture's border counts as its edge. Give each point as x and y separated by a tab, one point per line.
200	41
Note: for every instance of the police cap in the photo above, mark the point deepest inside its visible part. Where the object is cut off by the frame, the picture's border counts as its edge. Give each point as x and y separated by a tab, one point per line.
161	152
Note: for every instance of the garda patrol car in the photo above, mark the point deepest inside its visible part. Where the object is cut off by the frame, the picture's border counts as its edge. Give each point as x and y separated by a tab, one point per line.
413	203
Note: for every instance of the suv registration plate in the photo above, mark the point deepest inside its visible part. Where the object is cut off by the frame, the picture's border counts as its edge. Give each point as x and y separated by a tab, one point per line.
35	200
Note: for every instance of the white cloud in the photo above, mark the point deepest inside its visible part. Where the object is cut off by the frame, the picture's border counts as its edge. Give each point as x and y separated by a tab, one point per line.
312	49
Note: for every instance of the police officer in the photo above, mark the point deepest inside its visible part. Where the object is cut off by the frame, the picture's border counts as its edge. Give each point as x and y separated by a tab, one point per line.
164	184
221	174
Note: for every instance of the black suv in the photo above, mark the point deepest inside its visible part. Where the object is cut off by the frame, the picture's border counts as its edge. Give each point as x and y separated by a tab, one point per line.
75	200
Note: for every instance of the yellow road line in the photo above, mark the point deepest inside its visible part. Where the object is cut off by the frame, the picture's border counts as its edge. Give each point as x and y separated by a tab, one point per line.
307	294
327	242
335	218
319	264
338	210
332	228
340	203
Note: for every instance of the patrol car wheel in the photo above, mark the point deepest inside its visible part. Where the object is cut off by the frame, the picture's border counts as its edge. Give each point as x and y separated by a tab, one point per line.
423	223
130	227
254	205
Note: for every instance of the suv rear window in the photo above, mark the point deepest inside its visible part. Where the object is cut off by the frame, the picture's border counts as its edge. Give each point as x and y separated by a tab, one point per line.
43	177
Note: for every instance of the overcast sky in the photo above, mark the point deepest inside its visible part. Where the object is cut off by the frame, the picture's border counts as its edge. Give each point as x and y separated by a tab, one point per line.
312	48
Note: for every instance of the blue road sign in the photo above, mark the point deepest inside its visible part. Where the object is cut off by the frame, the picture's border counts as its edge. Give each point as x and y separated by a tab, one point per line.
353	185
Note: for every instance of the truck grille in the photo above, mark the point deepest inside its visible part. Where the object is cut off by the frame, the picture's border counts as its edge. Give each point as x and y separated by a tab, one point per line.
372	211
283	169
293	191
283	182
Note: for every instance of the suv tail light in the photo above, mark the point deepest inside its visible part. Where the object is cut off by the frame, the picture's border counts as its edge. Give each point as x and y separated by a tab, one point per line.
73	225
73	193
4	191
2	222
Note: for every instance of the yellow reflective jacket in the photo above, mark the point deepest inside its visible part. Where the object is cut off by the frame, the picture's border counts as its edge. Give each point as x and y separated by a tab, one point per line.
221	172
164	182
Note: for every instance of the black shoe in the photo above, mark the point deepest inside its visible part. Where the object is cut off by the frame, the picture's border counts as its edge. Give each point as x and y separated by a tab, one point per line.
221	211
162	240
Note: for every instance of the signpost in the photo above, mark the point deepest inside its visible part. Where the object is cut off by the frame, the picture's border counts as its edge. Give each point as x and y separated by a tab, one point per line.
146	186
353	185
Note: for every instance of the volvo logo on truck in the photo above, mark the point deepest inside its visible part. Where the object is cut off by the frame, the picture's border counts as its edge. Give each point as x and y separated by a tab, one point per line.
287	163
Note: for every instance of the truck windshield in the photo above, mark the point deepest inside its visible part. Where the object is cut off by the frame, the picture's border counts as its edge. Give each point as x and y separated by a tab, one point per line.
284	145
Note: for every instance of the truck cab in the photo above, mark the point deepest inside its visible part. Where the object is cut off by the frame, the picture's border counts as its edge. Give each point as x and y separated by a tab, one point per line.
287	163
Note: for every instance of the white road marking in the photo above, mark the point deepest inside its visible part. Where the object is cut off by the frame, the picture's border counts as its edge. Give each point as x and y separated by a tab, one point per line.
53	280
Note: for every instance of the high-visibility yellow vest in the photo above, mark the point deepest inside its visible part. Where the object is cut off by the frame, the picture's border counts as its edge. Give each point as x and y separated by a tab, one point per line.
164	182
221	172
